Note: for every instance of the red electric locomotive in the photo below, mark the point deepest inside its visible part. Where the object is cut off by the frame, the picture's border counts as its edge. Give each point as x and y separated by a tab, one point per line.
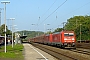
64	39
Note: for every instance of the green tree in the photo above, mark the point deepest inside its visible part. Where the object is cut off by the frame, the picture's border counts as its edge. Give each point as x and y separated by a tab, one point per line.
58	30
2	30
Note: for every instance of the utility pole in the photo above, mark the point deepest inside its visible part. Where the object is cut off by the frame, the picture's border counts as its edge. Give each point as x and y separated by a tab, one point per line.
76	23
5	2
63	25
0	15
12	30
80	33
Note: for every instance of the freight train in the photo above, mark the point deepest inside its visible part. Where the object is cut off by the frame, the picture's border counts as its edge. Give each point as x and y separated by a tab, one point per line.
61	39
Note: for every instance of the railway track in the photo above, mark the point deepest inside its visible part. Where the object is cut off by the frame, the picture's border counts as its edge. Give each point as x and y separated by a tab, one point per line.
83	45
58	53
82	51
54	53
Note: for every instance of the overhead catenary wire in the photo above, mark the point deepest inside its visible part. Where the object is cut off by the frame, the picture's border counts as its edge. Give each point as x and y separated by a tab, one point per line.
78	8
46	12
49	8
53	11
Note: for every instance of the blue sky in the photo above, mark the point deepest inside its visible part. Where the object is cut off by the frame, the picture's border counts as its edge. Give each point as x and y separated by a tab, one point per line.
43	12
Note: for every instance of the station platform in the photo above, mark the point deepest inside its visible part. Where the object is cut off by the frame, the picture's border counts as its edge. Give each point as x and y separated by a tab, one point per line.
33	53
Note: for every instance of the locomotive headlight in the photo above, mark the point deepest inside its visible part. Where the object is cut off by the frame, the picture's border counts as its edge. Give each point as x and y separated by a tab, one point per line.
72	38
65	38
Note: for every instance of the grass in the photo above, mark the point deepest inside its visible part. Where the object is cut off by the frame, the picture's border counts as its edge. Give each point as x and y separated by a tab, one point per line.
14	53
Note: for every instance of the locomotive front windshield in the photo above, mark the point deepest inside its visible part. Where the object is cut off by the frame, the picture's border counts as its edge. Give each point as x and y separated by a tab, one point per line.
68	34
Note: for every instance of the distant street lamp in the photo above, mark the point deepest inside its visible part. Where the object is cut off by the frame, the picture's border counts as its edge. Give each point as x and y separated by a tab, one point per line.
15	29
32	24
45	27
37	27
5	2
12	30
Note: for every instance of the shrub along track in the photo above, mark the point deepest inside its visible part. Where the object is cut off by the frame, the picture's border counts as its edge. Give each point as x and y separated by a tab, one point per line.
60	54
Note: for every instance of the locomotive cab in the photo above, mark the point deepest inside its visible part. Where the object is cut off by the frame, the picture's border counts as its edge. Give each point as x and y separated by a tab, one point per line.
68	39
